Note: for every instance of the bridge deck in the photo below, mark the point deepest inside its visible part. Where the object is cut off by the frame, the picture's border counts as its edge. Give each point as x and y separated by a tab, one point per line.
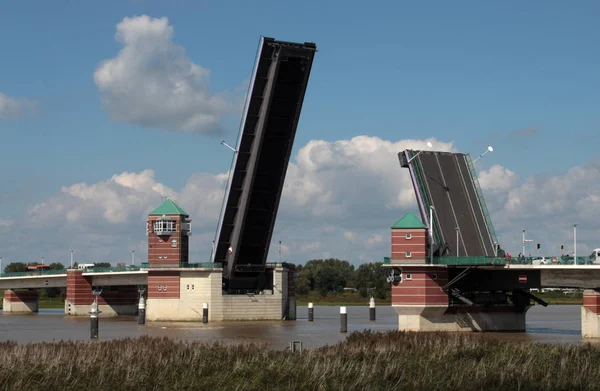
447	182
265	143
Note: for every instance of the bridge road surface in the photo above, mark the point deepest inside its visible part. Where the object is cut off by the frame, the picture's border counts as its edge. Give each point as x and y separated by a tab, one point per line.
453	195
271	116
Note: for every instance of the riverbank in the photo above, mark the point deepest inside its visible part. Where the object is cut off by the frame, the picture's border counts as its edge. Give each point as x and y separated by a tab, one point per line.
381	361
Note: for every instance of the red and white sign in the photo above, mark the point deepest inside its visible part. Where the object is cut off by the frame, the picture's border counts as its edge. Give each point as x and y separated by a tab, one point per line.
523	279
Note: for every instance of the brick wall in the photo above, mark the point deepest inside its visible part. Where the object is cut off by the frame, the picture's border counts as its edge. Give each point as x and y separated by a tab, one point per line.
79	288
159	280
409	240
423	287
591	300
20	296
160	251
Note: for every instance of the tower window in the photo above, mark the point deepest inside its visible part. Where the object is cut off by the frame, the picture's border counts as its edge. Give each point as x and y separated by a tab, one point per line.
173	243
408	236
161	226
408	254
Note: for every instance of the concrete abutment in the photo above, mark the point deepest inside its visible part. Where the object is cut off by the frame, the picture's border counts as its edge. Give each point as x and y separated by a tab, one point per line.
20	301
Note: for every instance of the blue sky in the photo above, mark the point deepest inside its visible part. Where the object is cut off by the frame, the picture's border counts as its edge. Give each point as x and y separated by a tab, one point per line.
522	76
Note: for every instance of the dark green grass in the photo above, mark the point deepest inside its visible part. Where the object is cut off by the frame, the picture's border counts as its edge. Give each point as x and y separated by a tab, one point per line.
366	361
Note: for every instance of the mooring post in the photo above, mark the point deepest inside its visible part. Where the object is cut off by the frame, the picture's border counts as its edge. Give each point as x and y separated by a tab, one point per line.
141	311
94	320
343	320
205	313
372	309
311	312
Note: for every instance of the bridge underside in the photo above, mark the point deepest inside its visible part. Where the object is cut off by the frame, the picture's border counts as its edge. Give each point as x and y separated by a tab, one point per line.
448	182
269	126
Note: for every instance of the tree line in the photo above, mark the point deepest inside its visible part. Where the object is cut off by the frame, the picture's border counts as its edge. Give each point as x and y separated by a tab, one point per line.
326	276
16	267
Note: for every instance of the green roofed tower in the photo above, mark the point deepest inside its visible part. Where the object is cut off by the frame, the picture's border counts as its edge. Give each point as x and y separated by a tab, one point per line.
409	221
409	240
168	207
168	228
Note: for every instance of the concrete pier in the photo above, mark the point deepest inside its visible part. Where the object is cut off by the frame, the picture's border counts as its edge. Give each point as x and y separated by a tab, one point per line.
590	314
20	301
179	295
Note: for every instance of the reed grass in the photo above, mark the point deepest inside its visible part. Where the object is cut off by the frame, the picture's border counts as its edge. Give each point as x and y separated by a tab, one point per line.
365	361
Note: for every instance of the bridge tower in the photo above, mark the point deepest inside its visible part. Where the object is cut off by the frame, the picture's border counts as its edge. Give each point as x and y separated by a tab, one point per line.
168	229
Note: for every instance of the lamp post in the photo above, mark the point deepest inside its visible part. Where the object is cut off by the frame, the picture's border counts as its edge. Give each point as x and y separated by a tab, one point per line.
457	242
1	270
429	145
71	258
489	149
575	243
132	257
523	253
228	146
431	208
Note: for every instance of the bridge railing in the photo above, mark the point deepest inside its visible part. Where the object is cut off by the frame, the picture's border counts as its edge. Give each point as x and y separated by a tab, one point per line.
187	265
31	273
499	261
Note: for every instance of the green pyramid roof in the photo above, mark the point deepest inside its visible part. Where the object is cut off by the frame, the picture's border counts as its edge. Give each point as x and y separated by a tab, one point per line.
409	221
168	207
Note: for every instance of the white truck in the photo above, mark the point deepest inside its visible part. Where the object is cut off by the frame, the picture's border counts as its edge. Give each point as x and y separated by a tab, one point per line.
595	257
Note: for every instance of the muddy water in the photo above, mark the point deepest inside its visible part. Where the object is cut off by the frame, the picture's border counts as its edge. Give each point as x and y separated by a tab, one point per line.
555	324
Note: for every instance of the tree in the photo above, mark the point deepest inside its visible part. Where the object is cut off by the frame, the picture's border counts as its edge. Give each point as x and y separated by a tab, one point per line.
372	276
15	267
324	275
56	266
102	264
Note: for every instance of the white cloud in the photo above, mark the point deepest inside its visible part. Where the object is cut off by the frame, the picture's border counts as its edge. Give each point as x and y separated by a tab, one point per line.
12	107
5	223
151	82
497	178
340	199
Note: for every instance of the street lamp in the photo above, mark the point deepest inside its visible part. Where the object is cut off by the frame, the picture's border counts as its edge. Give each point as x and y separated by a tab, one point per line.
431	208
429	145
71	258
132	257
575	243
228	146
457	242
489	149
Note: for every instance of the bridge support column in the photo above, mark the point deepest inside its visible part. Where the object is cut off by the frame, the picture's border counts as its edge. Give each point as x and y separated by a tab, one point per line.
20	301
590	314
422	305
114	300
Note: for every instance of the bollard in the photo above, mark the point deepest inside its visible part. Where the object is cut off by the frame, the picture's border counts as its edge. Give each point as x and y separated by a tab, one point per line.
311	312
141	311
205	313
343	320
94	320
372	309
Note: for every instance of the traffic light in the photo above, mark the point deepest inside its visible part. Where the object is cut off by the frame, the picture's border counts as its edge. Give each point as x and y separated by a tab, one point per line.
562	247
538	246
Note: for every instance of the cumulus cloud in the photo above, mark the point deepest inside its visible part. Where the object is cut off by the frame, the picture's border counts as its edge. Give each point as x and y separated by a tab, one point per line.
12	107
152	82
339	200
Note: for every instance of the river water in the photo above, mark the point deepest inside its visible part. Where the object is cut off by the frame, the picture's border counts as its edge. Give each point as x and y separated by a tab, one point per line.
552	324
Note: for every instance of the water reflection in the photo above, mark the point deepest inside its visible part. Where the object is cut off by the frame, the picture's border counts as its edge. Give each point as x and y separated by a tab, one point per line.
556	324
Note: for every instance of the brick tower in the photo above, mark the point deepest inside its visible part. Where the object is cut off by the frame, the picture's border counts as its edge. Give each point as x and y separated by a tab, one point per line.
409	240
168	229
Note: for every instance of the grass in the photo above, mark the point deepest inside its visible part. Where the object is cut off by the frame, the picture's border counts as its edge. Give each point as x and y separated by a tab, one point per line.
367	360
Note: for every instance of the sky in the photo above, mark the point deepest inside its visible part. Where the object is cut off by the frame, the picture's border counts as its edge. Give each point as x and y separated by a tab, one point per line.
106	107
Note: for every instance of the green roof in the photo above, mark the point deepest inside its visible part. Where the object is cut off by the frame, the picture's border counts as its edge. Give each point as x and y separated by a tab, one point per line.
409	221
168	207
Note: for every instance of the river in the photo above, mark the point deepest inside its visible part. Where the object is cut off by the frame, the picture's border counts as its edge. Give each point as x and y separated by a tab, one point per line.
552	324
